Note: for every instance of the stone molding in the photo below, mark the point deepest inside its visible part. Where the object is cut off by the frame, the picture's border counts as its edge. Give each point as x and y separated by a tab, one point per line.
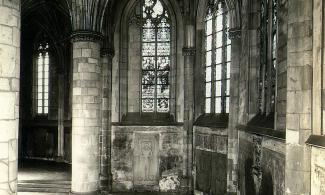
189	51
234	33
84	35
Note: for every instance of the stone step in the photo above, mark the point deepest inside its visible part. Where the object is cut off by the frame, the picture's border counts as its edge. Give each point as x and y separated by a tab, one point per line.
44	186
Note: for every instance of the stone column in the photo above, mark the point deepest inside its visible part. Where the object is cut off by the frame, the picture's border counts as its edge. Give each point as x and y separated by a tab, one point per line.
189	60
86	117
232	167
299	96
105	134
9	94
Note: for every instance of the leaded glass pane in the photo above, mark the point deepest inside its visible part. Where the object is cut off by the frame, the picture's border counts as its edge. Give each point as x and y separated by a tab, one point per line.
218	56
208	89
208	105
219	37
229	53
218	106
209	43
162	91
163	63
46	59
218	88
40	69
148	77
228	87
39	109
163	34
208	74
148	105
148	35
46	110
228	70
40	103
209	27
148	63
148	91
208	58
218	73
163	105
219	23
148	49
163	77
163	49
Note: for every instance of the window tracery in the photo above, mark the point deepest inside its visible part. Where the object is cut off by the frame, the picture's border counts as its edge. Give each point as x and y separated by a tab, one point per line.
268	63
217	58
155	42
42	78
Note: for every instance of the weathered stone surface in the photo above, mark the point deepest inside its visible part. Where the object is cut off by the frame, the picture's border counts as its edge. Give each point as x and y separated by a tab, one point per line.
9	98
86	121
166	141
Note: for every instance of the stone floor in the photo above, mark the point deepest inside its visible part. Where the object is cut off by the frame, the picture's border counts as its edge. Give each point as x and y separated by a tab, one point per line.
36	173
43	170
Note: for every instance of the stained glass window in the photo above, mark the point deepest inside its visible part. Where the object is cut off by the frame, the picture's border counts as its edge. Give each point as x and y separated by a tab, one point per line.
156	46
217	58
42	74
267	72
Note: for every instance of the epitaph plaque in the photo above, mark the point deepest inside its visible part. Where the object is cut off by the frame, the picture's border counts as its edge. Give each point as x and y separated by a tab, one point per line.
146	160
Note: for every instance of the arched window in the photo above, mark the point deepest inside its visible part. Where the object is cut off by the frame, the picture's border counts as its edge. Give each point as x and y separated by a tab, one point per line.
42	79
217	58
155	44
267	71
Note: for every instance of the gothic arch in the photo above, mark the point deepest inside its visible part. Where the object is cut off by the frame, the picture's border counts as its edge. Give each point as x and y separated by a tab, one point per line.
120	60
233	7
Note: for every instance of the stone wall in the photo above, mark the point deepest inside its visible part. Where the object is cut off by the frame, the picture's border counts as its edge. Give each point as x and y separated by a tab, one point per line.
261	165
9	94
210	160
157	149
317	171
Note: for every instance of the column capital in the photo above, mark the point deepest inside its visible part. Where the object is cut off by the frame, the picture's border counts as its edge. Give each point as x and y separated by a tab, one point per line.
85	35
189	51
109	52
234	33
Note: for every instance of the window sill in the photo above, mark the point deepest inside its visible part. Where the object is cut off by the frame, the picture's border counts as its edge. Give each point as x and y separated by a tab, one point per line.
316	141
148	119
263	125
212	120
262	131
